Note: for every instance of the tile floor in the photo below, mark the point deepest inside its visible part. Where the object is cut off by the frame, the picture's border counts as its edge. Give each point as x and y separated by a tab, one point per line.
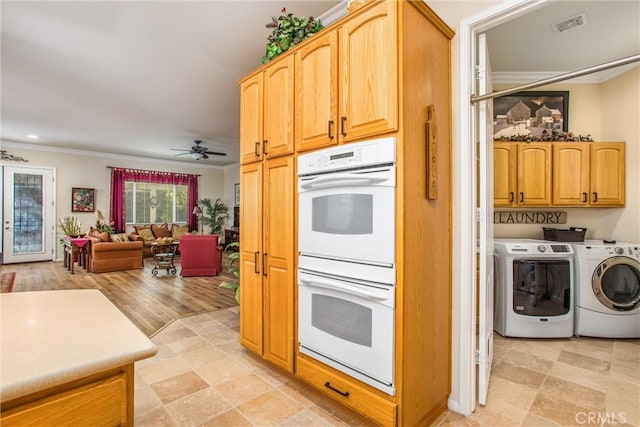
201	376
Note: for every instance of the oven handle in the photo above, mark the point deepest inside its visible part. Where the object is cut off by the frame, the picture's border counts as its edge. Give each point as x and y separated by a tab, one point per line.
343	287
341	179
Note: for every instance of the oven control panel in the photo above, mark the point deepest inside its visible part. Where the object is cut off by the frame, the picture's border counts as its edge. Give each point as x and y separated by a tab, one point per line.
350	156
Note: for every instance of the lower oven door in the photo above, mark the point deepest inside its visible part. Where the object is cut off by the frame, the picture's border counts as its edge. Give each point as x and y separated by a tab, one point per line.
348	325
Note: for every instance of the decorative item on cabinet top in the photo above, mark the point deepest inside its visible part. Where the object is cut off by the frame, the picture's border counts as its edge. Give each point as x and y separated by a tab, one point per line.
288	30
530	114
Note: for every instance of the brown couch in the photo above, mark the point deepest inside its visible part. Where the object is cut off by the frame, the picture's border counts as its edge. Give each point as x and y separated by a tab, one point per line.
150	233
114	256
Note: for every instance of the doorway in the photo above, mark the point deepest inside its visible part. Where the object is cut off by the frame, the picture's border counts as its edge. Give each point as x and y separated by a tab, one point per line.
28	223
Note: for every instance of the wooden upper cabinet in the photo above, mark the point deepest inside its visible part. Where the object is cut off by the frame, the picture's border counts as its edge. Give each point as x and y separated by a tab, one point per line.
278	108
607	174
251	119
571	174
369	73
316	104
534	174
504	173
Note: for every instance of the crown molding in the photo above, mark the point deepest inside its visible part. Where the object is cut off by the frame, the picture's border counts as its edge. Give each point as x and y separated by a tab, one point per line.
47	148
335	13
517	77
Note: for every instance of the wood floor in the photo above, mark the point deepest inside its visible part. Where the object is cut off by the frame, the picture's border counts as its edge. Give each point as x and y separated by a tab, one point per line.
150	302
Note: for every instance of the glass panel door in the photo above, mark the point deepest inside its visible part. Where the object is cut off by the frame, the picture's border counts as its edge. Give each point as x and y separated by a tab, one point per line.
541	288
28	223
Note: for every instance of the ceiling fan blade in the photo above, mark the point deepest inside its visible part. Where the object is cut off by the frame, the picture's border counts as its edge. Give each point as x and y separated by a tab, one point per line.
204	156
215	153
182	154
180	149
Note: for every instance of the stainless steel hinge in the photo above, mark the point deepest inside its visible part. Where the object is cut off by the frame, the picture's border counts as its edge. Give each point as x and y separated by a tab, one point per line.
476	357
479	72
479	214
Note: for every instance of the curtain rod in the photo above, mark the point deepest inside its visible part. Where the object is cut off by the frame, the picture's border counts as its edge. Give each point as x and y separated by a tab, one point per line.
145	170
558	78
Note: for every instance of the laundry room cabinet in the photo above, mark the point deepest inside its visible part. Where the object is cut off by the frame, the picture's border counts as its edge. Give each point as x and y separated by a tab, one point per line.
346	81
522	174
266	112
589	174
267	260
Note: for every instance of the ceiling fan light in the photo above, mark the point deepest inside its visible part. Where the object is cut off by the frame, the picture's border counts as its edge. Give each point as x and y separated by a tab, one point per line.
196	156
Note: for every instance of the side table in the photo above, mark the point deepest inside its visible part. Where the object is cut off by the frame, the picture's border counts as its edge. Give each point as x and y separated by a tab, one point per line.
163	254
76	247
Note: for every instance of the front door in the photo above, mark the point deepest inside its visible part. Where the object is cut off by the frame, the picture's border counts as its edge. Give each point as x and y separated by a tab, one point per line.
28	224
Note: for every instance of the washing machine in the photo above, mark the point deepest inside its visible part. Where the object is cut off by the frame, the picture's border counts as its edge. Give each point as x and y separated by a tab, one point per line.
607	289
534	286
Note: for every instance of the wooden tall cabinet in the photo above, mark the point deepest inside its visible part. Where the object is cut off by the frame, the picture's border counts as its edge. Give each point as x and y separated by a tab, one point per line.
589	174
347	81
267	271
383	70
266	112
522	174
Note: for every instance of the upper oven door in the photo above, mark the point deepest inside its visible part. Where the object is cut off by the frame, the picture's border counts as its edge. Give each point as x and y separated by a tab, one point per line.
349	216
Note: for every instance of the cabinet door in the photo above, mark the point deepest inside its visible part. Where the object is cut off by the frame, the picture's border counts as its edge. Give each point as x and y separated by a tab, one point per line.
316	73
251	293
279	190
504	173
251	119
278	108
534	174
570	174
369	73
607	174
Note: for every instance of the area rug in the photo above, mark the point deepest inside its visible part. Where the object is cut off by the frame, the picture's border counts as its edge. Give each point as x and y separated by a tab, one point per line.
6	282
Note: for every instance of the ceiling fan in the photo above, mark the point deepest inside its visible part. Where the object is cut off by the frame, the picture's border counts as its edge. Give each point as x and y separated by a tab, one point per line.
198	151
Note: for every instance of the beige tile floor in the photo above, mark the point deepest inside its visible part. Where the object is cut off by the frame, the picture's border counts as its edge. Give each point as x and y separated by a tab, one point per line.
201	376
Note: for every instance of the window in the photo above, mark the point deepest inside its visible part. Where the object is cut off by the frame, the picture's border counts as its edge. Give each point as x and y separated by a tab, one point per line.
156	203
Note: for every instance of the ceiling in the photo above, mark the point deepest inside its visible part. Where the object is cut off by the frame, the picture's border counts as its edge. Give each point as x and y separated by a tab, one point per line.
143	78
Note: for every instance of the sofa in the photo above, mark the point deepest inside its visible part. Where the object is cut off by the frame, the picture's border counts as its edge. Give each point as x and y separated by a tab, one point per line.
107	255
150	233
200	255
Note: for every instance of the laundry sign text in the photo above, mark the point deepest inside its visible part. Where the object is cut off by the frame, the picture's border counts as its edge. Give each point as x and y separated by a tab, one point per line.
529	217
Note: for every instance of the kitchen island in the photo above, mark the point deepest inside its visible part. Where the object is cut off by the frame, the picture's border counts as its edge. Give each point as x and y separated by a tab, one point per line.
66	358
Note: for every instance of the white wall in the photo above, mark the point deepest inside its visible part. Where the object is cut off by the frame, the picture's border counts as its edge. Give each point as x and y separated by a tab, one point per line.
607	111
231	177
86	170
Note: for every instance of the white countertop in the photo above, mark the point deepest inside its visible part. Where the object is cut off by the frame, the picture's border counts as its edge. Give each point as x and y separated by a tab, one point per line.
53	337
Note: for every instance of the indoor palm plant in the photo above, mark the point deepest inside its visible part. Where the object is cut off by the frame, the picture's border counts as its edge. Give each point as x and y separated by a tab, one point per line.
233	268
288	30
214	214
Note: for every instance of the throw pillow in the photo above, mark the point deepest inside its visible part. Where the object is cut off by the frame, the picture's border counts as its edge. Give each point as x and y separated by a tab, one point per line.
138	228
103	236
119	237
146	234
179	230
160	230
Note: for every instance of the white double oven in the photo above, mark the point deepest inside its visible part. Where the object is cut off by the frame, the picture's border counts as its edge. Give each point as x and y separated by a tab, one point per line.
347	275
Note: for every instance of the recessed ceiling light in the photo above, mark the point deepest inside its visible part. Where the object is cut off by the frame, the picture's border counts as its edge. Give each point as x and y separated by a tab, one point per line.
32	136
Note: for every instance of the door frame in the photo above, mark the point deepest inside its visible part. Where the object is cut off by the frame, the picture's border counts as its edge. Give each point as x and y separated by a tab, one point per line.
463	381
52	210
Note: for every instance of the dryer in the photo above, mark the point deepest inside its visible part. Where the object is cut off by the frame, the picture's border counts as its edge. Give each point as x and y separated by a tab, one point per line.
607	289
533	288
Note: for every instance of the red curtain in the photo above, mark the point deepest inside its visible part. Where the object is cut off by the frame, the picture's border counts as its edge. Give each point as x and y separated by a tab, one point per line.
119	176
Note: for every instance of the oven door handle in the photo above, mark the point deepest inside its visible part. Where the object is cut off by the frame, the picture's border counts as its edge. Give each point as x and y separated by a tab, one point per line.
340	180
345	288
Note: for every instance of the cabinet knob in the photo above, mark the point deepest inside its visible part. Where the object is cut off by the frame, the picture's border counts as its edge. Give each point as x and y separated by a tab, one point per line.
595	197
257	150
512	197
264	265
584	197
255	262
329	129
264	147
521	197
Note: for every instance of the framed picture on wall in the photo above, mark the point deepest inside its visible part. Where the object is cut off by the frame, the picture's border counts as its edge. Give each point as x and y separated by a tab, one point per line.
533	114
83	199
236	190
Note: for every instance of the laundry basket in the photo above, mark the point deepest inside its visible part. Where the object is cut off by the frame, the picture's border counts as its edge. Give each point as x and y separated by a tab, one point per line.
573	234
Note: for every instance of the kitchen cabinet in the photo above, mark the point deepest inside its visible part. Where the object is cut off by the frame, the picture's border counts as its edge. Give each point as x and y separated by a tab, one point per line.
522	174
347	81
266	272
349	87
266	112
589	174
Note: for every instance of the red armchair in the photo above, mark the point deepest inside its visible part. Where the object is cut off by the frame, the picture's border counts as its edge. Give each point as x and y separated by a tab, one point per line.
200	255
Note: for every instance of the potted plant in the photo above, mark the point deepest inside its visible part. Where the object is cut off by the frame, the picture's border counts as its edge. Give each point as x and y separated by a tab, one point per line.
288	30
70	226
214	215
232	267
